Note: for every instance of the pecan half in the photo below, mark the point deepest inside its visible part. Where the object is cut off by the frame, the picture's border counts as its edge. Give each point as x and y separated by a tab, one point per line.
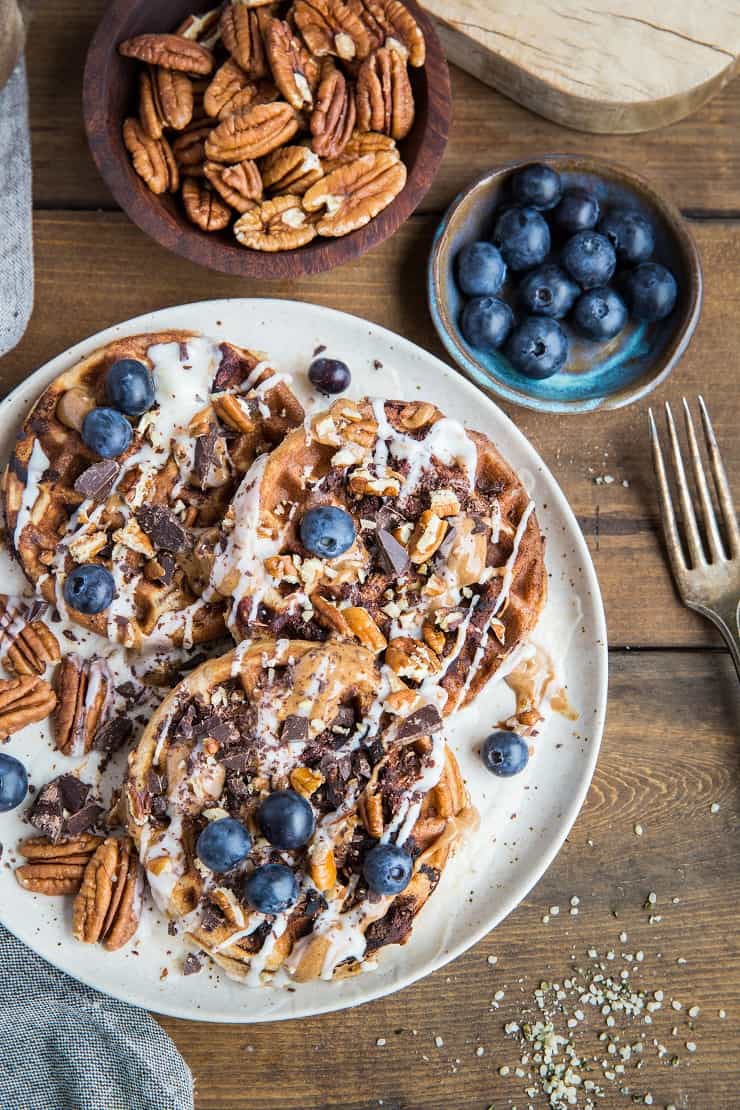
108	906
294	70
242	31
55	868
362	142
400	30
149	113
152	158
275	225
173	92
23	701
353	194
385	101
332	27
188	150
333	118
203	207
84	689
239	185
252	133
172	51
227	82
291	169
202	28
30	646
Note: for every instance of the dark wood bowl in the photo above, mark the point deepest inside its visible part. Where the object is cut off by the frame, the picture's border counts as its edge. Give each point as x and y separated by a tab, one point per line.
109	95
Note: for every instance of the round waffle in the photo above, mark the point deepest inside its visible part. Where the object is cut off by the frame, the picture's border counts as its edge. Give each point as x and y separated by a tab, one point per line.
312	717
446	576
143	514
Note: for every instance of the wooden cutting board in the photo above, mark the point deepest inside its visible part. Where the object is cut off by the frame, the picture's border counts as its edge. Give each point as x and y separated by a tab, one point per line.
603	65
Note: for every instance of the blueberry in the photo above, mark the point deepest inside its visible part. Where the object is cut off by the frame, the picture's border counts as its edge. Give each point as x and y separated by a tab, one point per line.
13	782
480	269
106	432
538	186
329	375
89	588
523	237
538	347
327	531
548	291
130	387
223	844
286	819
486	322
504	753
589	258
578	211
651	292
387	869
630	233
271	888
600	314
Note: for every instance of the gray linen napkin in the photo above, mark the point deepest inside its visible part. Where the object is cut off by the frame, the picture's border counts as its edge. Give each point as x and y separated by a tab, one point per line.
16	247
67	1047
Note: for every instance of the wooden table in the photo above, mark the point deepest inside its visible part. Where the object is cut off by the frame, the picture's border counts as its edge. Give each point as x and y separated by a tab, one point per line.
670	750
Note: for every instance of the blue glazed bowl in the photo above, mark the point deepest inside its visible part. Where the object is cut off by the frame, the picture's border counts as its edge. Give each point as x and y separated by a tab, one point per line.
597	375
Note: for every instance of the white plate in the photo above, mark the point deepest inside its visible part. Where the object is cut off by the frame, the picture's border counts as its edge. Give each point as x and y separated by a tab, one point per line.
502	861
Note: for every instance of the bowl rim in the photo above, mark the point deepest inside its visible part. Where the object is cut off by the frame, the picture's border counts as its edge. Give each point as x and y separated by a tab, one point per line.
319	256
679	342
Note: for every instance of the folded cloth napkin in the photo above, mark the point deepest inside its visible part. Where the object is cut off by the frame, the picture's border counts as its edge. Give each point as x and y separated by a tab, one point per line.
16	248
67	1047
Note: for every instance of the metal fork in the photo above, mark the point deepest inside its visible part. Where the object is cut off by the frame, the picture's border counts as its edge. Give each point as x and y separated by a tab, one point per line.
709	580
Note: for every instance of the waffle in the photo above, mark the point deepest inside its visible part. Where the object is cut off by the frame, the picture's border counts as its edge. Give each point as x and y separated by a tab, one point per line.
446	576
314	717
218	407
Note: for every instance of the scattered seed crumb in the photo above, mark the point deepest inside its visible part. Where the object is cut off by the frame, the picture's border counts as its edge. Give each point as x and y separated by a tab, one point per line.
504	1071
480	1050
546	919
575	900
492	960
498	996
694	1012
691	1046
380	1042
638	830
439	1042
681	960
714	807
676	1005
623	938
554	910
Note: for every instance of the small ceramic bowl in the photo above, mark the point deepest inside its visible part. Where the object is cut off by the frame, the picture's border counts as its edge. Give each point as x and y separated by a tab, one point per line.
597	375
110	94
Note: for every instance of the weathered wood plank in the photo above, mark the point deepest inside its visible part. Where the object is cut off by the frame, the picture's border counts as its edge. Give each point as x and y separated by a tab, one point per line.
661	766
488	129
95	269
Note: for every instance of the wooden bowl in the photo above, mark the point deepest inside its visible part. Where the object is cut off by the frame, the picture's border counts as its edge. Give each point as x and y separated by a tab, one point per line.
110	94
607	375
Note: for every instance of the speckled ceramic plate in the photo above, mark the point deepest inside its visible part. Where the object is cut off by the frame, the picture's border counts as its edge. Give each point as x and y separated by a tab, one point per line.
524	820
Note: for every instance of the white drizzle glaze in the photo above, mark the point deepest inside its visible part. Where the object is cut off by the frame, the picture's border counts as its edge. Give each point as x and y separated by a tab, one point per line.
38	463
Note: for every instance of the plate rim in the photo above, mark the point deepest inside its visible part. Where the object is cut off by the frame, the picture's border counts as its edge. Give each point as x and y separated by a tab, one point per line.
158	320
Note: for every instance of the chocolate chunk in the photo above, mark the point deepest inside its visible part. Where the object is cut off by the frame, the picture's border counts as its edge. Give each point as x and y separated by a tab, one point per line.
217	728
294	730
47	812
113	735
86	818
73	792
172	928
162	527
66	794
393	555
394	926
239	762
156	783
36	609
98	480
191	965
420	723
158	806
344	720
205	450
211	917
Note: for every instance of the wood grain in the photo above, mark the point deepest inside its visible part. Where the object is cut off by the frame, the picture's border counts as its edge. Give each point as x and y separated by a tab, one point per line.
606	67
666	757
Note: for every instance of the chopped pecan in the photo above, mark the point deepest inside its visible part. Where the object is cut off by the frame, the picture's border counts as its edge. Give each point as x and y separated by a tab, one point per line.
330	615
242	31
149	111
362	142
385	483
434	637
84	689
55	868
29	645
400	30
427	536
411	658
172	51
305	781
333	118
417	415
323	867
23	701
385	101
202	28
227	82
291	169
332	27
108	906
189	149
275	225
239	185
152	158
294	70
204	208
173	92
364	628
252	133
353	194
444	502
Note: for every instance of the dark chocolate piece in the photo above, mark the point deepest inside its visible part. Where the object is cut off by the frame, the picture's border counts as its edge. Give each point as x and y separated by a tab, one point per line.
205	450
73	792
420	723
191	964
162	527
113	735
98	480
294	730
393	555
86	818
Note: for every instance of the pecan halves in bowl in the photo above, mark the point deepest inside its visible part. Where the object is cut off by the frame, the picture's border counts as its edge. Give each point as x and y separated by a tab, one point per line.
107	908
204	208
188	150
55	868
361	142
227	82
292	169
174	95
333	118
400	30
275	225
354	194
294	70
172	51
153	159
24	701
385	101
239	185
84	689
332	27
252	133
242	30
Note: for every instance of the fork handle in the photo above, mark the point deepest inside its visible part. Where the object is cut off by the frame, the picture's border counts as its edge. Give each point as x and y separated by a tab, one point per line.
727	620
